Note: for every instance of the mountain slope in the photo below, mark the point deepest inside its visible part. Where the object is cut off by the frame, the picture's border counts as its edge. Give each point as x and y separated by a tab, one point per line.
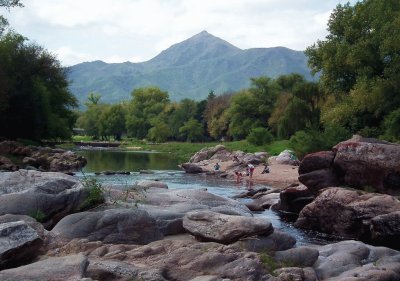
189	69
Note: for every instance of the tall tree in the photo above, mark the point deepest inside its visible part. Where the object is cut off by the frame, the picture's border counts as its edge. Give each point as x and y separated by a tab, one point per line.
36	102
359	63
146	104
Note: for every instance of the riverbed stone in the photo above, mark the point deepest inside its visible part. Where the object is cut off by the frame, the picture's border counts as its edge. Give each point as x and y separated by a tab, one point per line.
206	153
277	241
299	257
117	226
347	260
385	230
71	268
225	229
263	202
293	199
191	168
151	183
47	196
346	213
19	243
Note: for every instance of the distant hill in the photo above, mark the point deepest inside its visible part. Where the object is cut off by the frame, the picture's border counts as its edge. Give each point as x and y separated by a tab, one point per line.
189	69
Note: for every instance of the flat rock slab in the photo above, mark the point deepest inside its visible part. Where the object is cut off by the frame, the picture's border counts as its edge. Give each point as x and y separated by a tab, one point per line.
50	194
69	268
225	229
118	226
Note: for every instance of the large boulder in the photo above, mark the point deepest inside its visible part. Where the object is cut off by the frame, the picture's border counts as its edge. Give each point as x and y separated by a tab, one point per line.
225	229
206	153
276	241
19	243
354	260
359	163
46	196
369	162
385	229
346	213
191	168
71	268
118	226
293	199
287	157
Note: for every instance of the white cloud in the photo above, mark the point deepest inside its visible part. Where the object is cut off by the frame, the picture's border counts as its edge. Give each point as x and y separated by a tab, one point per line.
122	30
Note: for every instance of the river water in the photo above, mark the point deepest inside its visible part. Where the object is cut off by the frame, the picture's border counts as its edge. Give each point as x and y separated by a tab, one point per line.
165	169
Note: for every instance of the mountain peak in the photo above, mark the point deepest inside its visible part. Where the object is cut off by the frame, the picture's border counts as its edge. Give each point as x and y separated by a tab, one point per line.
202	46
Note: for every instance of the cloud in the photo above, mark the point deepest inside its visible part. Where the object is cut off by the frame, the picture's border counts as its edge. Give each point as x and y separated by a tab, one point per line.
128	29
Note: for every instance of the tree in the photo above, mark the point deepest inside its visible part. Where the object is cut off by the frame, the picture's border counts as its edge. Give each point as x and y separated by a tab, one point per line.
112	121
146	104
160	131
192	130
34	95
359	63
7	4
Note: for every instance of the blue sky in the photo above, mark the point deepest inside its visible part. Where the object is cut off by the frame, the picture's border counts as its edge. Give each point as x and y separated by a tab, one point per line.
137	30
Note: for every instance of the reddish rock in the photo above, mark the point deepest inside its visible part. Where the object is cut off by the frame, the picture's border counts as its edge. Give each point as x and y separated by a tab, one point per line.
293	199
316	161
346	213
319	179
369	162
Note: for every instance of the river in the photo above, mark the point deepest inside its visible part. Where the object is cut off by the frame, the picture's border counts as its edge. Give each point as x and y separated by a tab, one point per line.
165	169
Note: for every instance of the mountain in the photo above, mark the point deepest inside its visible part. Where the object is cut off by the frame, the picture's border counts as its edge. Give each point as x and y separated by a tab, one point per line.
189	69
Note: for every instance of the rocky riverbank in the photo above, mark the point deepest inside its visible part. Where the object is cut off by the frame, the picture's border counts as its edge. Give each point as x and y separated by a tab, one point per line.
150	232
283	171
15	156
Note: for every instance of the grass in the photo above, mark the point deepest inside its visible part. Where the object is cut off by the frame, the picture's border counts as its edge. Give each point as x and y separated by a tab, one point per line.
184	150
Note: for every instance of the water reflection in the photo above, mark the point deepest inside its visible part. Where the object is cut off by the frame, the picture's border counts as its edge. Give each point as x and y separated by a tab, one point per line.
133	161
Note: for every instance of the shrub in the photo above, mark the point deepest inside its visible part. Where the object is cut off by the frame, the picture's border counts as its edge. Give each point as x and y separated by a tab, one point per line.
260	136
95	193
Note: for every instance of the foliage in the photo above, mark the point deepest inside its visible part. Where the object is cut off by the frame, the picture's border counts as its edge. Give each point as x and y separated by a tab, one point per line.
260	136
35	102
38	215
160	131
359	63
192	131
312	140
392	126
95	192
146	104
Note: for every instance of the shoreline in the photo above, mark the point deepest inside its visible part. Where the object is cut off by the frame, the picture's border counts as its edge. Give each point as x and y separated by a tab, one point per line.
280	175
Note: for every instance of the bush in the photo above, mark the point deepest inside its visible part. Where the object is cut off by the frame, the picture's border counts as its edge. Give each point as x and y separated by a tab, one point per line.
260	136
304	142
95	193
392	126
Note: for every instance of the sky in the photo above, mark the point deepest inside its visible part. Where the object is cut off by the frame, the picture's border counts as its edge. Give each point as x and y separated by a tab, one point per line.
138	30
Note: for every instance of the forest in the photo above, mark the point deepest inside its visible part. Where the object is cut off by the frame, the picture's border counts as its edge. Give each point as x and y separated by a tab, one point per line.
358	92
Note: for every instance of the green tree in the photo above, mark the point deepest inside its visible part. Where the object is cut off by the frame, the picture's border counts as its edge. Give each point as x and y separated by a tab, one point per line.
160	131
192	130
359	64
34	95
146	104
112	121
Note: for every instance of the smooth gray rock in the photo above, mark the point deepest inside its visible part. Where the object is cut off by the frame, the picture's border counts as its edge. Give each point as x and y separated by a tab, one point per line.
277	241
300	257
342	260
19	243
52	195
118	226
206	153
191	168
186	200
225	229
111	270
151	183
71	268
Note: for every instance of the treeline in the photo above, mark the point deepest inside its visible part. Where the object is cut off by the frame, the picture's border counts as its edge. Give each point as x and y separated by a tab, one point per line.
269	109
